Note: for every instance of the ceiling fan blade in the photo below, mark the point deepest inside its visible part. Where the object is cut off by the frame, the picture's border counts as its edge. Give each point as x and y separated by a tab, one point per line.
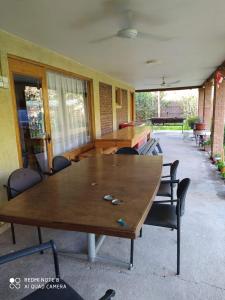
106	38
175	82
151	36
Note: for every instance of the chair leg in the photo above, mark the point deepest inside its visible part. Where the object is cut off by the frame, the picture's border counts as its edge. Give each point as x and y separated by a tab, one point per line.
40	237
140	235
178	250
172	194
13	233
131	254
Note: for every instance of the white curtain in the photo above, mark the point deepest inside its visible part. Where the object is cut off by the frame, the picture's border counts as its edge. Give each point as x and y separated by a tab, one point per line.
69	114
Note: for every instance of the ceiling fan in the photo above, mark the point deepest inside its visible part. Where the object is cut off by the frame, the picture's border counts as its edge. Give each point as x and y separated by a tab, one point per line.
129	31
166	84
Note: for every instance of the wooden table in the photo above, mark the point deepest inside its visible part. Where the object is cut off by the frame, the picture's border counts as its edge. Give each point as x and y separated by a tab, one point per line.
73	198
126	137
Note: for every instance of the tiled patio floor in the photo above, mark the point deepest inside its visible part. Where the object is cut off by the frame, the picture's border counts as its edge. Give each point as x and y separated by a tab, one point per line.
202	246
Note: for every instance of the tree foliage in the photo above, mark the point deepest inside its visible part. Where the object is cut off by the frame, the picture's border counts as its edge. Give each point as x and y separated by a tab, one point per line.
147	105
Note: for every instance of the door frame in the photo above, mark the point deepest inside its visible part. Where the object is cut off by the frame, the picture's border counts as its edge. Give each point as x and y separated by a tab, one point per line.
22	67
132	106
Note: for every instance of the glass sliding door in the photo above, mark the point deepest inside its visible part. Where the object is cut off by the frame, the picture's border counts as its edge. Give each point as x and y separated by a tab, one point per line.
68	111
31	114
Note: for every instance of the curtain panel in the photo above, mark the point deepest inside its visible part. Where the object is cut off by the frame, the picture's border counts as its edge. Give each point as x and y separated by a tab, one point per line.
69	113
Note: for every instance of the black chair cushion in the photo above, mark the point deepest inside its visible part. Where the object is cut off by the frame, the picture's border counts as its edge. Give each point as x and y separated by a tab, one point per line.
163	215
164	190
49	293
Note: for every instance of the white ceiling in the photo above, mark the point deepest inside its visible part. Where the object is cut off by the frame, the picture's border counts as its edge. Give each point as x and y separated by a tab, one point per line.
195	31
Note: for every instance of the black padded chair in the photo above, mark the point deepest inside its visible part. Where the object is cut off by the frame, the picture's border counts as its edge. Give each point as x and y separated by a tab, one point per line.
19	181
166	188
166	215
127	150
48	292
59	163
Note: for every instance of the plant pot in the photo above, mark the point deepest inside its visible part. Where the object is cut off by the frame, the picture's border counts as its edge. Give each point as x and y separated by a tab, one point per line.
222	170
200	126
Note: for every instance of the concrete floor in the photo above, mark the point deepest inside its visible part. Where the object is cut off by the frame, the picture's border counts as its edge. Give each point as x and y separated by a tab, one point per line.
153	277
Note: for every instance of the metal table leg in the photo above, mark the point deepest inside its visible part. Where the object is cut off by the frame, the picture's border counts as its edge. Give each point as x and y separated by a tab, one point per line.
94	245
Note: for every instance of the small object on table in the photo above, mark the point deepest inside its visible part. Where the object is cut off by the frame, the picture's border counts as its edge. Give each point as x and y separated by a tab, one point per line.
122	222
94	183
116	201
108	198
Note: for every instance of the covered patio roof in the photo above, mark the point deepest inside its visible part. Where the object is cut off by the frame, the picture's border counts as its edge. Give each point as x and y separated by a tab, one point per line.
182	40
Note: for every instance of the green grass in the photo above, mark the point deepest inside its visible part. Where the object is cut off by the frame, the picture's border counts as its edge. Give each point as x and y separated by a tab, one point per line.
171	127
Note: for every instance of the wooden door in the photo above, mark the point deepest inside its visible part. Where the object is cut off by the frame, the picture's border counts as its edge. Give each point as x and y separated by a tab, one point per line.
30	100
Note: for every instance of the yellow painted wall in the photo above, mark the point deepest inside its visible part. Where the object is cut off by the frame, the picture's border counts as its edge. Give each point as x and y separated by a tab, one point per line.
10	44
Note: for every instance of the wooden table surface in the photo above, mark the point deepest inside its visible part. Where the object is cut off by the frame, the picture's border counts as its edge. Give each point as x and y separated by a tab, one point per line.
73	198
126	137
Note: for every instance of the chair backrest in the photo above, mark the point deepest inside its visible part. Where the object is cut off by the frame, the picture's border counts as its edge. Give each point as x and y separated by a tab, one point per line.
182	192
127	150
21	180
59	163
173	170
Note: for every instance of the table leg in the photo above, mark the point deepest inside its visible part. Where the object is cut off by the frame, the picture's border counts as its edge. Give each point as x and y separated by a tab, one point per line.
94	245
91	247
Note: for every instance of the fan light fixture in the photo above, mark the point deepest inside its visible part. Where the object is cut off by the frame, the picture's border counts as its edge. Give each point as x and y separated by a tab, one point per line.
129	33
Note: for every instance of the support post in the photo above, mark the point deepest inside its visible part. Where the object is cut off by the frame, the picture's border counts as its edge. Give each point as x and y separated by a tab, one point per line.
217	134
201	96
208	104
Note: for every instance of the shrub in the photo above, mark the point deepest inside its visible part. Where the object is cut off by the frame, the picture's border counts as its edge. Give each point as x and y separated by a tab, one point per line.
192	120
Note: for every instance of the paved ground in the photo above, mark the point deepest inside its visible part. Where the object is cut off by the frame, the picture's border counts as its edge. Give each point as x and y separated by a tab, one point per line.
202	246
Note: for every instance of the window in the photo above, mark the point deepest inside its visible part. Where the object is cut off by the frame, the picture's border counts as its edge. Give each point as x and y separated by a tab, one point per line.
69	112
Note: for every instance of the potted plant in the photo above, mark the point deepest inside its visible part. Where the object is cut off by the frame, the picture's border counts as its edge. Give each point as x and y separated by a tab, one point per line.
206	145
222	167
219	164
223	175
216	158
192	120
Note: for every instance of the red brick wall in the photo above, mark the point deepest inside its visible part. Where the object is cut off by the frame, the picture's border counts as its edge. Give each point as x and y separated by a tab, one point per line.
208	105
122	112
218	119
106	111
201	96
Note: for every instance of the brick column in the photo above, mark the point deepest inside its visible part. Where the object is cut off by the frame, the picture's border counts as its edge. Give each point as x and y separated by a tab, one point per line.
208	104
201	96
218	118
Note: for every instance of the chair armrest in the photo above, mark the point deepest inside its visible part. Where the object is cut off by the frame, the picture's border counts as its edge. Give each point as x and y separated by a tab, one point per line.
108	295
170	181
165	176
32	250
167	164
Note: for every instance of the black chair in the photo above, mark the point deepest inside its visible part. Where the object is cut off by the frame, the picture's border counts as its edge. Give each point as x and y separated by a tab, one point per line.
59	163
127	150
166	188
48	292
19	181
166	215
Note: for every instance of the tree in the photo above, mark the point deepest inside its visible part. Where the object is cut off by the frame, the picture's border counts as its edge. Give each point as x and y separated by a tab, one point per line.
190	107
146	105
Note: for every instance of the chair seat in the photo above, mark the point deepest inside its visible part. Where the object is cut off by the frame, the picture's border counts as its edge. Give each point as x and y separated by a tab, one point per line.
49	293
164	190
163	215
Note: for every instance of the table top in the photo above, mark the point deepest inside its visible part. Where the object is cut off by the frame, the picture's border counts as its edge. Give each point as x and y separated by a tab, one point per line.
127	137
73	198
